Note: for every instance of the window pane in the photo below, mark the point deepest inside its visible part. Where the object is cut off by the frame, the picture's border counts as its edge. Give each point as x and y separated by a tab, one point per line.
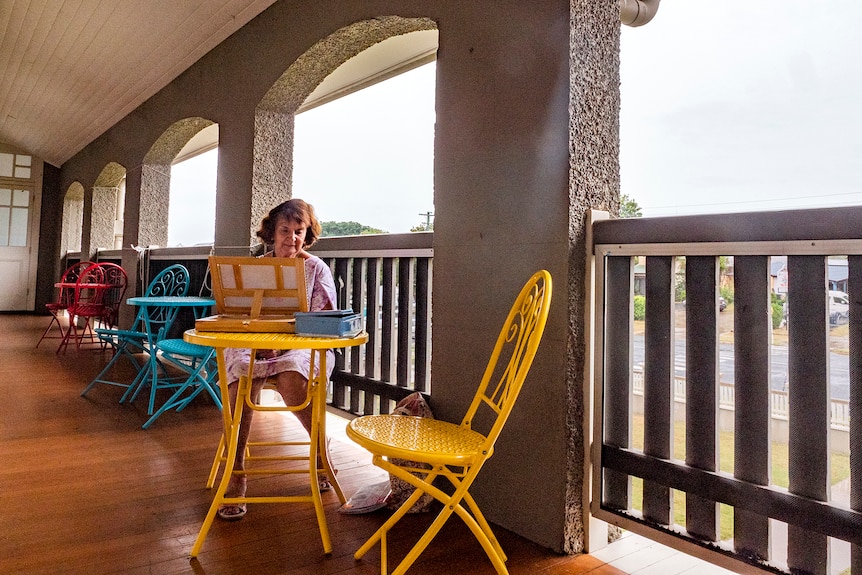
18	227
5	196
6	165
21	198
22	173
22	160
4	226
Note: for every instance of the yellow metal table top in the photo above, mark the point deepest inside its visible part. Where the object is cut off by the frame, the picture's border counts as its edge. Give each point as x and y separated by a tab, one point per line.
271	340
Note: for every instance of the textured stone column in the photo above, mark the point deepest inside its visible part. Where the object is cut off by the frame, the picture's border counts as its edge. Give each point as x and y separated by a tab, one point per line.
154	199
102	220
594	183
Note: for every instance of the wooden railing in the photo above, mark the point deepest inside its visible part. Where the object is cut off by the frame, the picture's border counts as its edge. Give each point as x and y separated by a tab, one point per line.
700	494
778	402
386	278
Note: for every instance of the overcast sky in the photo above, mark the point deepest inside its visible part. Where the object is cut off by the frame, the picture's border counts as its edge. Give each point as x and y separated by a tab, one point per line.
369	157
743	105
738	105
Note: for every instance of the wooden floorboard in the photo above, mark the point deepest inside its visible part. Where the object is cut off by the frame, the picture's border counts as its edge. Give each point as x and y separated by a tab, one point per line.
84	490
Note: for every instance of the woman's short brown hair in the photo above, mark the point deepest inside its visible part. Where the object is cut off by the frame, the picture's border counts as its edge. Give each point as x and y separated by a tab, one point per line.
295	210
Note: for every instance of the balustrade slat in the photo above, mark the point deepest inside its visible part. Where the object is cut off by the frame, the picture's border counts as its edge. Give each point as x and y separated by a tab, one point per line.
356	304
405	292
854	282
808	387
658	380
752	398
617	374
422	332
387	350
372	285
394	295
701	395
341	276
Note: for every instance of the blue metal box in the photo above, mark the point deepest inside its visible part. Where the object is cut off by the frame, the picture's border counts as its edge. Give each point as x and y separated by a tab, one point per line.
332	323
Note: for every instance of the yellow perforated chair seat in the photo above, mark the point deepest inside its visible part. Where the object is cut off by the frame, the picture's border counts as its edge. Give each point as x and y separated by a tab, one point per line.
417	438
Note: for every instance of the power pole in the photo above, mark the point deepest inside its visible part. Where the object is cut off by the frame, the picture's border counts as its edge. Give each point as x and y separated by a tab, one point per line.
428	216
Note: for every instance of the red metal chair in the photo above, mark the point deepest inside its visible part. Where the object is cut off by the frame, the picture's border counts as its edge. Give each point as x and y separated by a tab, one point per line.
65	297
116	279
86	306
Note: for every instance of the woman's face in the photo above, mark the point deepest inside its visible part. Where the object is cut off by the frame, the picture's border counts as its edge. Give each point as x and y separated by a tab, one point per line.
289	238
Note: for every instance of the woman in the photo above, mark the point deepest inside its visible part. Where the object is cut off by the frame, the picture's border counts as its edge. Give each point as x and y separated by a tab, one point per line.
289	228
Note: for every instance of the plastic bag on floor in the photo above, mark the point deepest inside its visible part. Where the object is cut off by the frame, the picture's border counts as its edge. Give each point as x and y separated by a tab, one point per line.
414	404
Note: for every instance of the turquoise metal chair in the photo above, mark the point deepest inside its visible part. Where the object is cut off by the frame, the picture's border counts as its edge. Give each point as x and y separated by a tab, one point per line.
130	343
199	363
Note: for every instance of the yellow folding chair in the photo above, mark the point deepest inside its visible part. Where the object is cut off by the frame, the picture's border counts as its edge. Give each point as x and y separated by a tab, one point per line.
458	452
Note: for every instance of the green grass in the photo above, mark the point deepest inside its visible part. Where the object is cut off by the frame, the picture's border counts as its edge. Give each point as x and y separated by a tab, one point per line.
840	470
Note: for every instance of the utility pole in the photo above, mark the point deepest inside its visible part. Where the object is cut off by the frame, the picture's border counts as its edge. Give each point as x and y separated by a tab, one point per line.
427	216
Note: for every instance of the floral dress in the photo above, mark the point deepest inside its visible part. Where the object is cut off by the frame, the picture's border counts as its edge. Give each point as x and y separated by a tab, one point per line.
321	296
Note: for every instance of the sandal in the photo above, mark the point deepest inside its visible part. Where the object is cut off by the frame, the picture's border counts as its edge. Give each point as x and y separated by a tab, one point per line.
232	511
323	482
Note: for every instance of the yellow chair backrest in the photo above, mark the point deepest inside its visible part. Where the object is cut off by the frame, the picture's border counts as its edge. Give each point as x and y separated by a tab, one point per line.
512	356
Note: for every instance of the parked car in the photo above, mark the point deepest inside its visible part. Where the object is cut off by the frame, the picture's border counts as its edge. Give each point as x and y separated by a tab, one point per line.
839	307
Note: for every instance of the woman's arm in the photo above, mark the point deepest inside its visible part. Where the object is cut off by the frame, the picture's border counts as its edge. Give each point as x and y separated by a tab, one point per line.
323	294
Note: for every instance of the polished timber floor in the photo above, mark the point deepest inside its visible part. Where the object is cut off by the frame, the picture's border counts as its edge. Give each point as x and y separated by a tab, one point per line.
84	490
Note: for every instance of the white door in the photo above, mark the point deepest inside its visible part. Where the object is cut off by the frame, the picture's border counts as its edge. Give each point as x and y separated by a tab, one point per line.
19	223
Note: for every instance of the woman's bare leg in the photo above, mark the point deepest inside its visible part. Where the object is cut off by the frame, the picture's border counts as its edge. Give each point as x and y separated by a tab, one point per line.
238	483
293	388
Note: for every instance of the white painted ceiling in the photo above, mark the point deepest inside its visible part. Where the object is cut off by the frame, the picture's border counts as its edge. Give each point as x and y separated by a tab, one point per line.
70	69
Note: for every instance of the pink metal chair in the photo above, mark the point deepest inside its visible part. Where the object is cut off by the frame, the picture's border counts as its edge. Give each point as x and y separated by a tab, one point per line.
86	306
65	297
116	279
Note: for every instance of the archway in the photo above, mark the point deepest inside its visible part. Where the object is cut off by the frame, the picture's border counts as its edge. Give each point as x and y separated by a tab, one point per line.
73	219
274	119
155	189
107	207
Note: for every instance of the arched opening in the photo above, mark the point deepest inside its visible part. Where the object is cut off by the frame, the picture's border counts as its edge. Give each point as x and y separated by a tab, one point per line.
73	219
191	214
355	155
330	69
109	190
155	192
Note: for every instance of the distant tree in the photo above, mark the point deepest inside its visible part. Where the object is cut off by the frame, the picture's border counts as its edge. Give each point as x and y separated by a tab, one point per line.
629	208
423	228
346	229
640	307
428	226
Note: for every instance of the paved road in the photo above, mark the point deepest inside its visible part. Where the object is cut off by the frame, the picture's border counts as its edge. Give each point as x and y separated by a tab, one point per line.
839	371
